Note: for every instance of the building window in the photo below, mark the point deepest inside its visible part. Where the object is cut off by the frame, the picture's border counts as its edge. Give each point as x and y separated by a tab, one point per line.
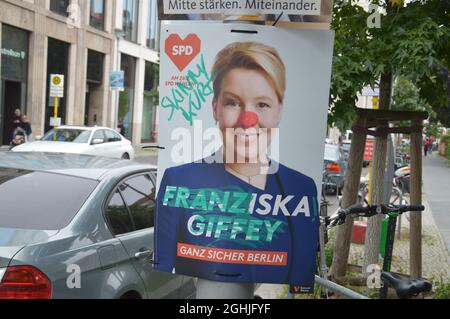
95	67
57	63
97	14
94	88
130	19
152	26
126	98
59	6
149	130
14	53
13	77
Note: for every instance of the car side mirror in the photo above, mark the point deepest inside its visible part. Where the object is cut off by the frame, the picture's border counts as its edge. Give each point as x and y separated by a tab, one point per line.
97	141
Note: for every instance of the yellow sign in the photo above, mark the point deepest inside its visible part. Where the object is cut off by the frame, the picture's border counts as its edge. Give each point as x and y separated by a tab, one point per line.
56	80
375	102
57	85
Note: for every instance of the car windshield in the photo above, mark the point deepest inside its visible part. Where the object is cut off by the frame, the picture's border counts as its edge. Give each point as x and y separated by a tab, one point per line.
39	200
67	135
331	153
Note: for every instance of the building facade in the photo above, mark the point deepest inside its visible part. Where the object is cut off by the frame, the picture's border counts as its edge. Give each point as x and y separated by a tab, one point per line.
84	40
137	32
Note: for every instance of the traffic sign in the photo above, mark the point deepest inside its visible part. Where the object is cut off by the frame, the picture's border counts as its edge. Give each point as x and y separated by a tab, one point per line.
56	85
117	80
368	151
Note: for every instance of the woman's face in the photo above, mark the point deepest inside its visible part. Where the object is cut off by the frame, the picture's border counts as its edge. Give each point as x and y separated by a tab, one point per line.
247	109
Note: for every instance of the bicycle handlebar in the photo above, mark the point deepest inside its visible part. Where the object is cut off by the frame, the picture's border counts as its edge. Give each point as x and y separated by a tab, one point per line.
368	211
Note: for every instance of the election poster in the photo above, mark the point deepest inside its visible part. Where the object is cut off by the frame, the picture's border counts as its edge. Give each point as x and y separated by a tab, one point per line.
242	122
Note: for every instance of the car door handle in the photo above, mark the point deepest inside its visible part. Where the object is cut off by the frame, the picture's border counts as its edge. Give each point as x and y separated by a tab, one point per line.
144	254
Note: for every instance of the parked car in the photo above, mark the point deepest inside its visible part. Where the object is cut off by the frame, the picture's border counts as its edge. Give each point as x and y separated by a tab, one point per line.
335	163
98	141
345	146
77	226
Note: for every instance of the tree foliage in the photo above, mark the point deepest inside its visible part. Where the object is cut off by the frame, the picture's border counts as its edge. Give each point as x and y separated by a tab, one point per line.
407	97
412	41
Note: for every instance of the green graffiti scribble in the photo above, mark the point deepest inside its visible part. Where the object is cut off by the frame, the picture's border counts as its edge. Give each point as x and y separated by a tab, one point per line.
198	231
199	201
197	88
224	216
257	236
218	199
182	197
254	227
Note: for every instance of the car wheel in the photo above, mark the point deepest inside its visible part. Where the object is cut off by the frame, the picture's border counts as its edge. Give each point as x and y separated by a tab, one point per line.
125	156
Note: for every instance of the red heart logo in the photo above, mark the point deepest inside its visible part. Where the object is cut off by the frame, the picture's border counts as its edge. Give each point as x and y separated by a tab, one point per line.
182	52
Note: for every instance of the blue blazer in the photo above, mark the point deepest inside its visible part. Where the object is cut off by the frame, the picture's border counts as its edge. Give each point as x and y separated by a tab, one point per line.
298	235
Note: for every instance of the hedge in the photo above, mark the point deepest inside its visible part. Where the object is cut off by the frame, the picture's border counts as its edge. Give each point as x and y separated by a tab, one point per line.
446	140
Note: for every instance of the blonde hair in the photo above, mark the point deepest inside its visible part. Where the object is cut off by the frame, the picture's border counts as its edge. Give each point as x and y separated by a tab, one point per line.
252	56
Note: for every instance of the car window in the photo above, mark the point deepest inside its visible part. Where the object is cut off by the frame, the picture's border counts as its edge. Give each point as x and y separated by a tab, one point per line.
117	215
67	135
112	136
39	200
99	135
139	195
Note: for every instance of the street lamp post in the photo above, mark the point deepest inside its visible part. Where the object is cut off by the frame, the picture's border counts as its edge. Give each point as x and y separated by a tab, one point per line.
119	33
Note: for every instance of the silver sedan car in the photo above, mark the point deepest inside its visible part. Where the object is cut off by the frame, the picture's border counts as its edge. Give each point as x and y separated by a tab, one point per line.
76	226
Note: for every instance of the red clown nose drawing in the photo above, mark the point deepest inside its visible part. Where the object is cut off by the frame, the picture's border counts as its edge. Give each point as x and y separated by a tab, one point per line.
248	119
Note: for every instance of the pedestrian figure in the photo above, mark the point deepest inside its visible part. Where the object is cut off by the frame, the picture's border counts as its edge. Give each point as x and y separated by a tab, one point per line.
25	125
430	146
19	138
426	146
17	119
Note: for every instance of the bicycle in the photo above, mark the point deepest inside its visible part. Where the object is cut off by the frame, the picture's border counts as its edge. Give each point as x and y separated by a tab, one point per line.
400	187
405	288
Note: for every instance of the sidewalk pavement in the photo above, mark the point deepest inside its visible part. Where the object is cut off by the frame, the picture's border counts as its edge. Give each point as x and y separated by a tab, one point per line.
435	226
436	178
435	256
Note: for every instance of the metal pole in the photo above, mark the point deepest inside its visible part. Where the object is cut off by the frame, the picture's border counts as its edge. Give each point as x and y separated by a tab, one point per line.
416	199
388	178
399	231
116	111
323	262
339	289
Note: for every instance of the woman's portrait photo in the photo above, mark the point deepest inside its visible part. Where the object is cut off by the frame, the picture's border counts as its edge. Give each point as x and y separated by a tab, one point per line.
247	217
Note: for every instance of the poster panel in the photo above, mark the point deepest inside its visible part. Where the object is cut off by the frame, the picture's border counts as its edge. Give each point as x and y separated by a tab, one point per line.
311	11
243	122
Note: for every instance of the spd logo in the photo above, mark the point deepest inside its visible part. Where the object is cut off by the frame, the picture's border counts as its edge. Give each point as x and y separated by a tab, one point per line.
182	52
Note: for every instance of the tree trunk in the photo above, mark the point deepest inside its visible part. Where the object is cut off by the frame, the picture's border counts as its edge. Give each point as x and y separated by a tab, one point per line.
372	244
415	231
349	198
